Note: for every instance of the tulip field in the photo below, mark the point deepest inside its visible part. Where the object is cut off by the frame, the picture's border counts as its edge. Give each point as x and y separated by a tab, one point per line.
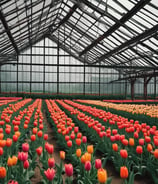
88	135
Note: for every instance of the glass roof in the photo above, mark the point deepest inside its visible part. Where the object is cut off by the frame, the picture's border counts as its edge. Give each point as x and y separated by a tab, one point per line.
110	32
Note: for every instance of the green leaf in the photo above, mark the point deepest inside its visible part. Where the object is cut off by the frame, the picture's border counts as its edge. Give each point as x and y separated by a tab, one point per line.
109	180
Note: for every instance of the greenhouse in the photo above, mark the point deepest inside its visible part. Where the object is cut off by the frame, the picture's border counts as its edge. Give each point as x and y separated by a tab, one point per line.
78	91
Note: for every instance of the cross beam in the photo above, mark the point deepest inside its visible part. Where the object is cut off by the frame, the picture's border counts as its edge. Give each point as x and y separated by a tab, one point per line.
2	18
129	43
118	24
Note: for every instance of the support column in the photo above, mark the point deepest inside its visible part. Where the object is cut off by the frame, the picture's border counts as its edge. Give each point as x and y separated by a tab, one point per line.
17	75
99	79
84	78
155	86
132	88
146	81
145	88
58	68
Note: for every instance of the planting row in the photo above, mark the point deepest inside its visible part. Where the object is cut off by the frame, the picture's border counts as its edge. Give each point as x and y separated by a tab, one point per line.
87	169
125	142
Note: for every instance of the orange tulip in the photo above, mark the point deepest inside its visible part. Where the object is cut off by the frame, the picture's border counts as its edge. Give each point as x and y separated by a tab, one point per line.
90	149
2	143
87	156
17	133
83	160
62	155
115	147
156	153
14	160
1	136
149	147
131	141
2	172
102	175
78	152
9	162
123	172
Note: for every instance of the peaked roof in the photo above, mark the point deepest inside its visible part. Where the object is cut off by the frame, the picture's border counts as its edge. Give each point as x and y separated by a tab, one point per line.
118	33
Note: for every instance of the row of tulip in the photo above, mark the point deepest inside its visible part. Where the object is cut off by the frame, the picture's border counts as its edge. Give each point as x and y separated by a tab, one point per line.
22	139
149	110
87	169
125	142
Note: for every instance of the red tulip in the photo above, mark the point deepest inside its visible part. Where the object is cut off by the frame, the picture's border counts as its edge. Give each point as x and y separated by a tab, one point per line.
50	174
147	139
12	182
8	142
123	153
72	136
50	149
23	156
84	139
40	133
25	147
69	143
26	164
125	142
141	142
149	147
1	151
87	165
33	137
45	137
78	142
156	153
67	138
69	169
115	147
51	162
139	149
75	129
39	150
15	138
123	172
79	135
98	163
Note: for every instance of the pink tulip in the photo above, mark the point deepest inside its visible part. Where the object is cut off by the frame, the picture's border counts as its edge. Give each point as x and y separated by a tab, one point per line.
69	169
51	162
50	174
98	163
25	147
87	165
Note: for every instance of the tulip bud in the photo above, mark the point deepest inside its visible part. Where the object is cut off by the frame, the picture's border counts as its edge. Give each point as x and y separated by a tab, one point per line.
39	150
26	164
98	163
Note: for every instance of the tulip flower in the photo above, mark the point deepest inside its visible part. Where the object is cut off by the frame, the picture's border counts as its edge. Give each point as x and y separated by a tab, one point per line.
45	137
14	160
115	147
131	141
156	153
39	150
50	174
78	142
84	139
50	148
33	137
87	165
9	162
15	138
149	147
123	172
25	147
69	143
98	163
8	142
2	172
139	149
78	152
141	142
51	162
1	151
123	153
23	156
40	133
69	169
90	149
26	164
75	129
12	182
62	155
102	175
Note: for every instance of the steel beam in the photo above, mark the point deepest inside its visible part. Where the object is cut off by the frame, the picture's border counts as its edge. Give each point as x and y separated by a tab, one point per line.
8	32
116	26
129	43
